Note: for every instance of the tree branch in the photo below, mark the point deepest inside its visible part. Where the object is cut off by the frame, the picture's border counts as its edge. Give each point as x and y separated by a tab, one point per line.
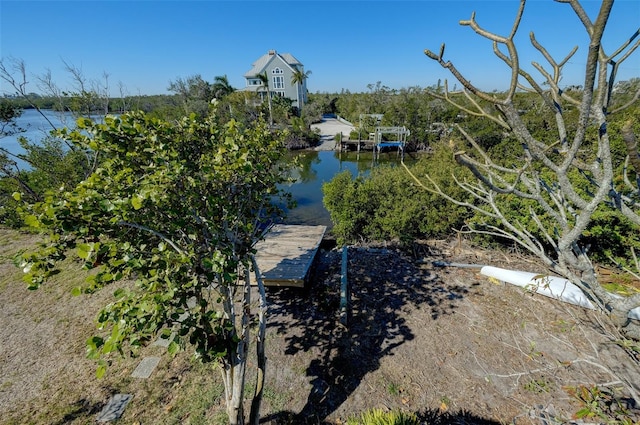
153	232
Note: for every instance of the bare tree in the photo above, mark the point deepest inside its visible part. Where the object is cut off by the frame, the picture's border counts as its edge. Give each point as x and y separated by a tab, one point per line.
546	173
87	98
14	72
125	98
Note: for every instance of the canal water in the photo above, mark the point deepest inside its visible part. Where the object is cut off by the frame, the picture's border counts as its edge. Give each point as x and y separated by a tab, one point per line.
318	167
315	167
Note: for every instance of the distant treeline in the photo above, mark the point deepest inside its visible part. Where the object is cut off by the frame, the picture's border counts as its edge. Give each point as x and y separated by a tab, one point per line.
427	117
146	103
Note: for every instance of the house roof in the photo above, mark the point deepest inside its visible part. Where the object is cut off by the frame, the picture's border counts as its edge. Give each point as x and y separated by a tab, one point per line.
259	65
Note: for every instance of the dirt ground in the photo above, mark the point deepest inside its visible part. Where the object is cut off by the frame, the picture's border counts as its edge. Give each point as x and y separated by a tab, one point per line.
444	342
435	340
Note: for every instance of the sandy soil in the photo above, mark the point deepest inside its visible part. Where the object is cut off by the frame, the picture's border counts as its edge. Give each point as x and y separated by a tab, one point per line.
444	342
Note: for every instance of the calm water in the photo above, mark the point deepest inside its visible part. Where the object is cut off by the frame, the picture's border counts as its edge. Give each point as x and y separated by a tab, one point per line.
36	128
315	168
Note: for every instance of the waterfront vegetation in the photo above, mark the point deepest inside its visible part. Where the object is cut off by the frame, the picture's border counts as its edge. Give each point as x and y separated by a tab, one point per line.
401	210
386	204
390	205
172	192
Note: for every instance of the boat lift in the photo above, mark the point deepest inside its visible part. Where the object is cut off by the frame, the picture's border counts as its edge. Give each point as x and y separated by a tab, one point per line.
400	133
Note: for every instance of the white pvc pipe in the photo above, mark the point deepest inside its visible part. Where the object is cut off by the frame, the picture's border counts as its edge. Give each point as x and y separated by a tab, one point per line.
550	286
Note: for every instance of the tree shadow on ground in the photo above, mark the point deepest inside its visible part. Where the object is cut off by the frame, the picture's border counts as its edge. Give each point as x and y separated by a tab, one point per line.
427	417
82	408
385	287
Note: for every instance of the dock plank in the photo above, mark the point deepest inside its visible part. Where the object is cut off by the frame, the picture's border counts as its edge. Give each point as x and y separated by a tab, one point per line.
286	254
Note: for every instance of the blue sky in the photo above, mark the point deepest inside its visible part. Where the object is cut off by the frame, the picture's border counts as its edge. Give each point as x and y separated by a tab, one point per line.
345	44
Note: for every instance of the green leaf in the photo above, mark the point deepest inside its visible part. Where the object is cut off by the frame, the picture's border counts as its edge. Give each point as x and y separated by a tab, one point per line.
76	291
107	205
84	250
136	202
584	412
32	221
17	196
102	368
178	167
95	342
173	348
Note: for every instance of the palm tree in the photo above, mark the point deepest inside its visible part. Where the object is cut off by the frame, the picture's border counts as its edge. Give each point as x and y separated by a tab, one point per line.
221	86
265	83
299	78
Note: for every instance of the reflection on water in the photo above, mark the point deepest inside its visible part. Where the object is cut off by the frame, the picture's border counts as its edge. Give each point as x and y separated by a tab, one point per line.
315	168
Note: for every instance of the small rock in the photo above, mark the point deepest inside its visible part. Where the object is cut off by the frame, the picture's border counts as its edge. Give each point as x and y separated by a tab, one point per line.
146	367
114	408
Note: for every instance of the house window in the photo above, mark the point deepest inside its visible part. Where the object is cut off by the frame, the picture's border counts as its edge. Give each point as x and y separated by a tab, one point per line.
277	71
278	82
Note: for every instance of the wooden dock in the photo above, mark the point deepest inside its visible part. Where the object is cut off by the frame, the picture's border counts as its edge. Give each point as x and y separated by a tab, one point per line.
285	256
346	145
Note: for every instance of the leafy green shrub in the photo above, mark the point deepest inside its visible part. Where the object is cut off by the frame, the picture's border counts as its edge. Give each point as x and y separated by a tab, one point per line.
610	236
389	205
340	200
380	417
51	165
300	135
